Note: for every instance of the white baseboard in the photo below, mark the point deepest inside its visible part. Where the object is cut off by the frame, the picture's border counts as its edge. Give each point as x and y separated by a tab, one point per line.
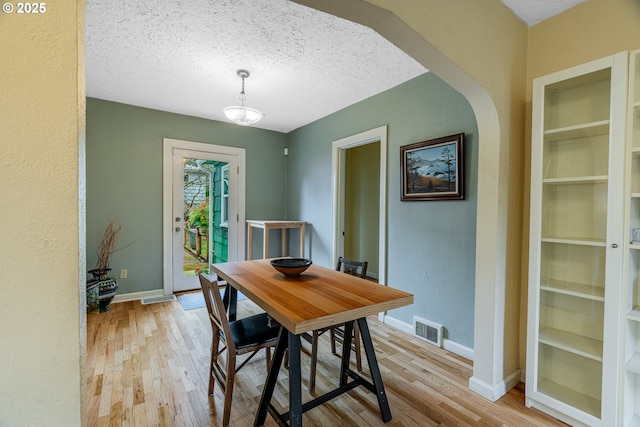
448	345
404	327
494	392
459	349
137	295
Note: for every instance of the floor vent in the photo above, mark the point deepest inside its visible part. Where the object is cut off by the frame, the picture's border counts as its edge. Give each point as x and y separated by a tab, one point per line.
153	300
428	331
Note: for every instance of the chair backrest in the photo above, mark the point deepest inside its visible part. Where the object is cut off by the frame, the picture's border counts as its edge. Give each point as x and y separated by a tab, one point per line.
355	268
216	309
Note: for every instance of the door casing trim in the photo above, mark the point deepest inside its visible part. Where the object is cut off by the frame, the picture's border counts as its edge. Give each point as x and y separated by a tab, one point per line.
168	145
338	154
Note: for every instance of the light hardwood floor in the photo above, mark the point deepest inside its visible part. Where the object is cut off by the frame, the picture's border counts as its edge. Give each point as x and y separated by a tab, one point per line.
147	365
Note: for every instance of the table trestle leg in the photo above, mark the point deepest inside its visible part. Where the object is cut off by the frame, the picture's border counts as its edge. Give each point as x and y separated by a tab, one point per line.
272	378
346	353
295	382
287	340
375	370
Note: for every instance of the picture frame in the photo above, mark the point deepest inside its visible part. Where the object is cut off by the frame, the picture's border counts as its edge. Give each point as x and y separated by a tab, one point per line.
433	169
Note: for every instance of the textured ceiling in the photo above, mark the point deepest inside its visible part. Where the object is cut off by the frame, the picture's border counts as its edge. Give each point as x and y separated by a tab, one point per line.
182	57
534	11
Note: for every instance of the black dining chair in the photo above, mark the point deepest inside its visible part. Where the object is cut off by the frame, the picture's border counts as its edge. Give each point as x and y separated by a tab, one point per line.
336	333
247	335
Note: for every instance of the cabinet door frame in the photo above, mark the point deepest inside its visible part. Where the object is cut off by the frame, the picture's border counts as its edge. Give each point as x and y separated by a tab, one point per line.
613	246
630	410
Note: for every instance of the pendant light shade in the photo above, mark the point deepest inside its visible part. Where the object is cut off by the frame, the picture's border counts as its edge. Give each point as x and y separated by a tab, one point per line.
244	116
239	114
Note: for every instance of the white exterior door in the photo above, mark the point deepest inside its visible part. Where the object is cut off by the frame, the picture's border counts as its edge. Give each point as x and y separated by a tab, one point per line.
189	186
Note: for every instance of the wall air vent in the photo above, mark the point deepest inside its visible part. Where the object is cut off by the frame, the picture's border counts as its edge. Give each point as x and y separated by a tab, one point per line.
428	331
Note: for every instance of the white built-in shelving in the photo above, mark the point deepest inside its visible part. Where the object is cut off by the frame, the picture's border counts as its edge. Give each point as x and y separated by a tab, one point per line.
631	377
577	242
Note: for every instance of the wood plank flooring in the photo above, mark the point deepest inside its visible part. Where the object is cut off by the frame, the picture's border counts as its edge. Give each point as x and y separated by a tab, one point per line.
147	365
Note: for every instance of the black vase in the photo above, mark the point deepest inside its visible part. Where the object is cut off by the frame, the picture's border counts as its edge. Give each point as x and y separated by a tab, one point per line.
107	287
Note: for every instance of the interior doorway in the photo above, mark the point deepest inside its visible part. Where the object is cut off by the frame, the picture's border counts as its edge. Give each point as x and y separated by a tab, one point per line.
362	200
359	199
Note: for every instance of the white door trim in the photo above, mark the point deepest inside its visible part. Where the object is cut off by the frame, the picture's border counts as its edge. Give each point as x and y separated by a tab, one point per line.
338	148
168	145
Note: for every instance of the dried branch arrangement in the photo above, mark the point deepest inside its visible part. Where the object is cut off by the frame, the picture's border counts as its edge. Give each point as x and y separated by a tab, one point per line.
108	244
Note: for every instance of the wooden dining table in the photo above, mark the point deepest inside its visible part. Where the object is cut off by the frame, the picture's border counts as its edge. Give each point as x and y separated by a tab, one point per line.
320	297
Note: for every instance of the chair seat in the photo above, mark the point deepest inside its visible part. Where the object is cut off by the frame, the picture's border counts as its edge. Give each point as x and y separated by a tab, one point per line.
253	330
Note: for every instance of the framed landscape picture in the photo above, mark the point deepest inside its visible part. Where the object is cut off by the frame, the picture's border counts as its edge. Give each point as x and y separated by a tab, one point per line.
434	169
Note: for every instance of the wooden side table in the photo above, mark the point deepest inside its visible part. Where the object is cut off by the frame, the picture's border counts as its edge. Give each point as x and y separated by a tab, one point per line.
267	226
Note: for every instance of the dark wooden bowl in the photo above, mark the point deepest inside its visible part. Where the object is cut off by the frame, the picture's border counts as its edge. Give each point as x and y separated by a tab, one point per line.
291	267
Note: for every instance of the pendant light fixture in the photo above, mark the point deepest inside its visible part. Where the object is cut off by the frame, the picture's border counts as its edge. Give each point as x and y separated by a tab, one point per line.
241	115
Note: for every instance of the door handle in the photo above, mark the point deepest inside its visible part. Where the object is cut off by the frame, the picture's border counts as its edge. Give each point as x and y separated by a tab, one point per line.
177	228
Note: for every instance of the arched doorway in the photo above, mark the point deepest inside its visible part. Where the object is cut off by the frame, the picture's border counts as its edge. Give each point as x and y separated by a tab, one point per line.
497	318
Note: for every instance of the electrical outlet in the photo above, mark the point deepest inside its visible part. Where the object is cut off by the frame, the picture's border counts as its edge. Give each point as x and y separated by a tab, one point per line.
123	273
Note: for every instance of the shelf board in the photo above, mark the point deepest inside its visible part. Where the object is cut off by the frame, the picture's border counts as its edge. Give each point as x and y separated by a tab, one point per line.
635	195
595	179
633	364
634	246
634	314
635	150
571	397
636	104
595	293
574	241
578	131
576	344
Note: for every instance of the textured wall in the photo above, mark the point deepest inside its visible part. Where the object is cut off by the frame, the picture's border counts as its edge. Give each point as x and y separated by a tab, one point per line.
40	128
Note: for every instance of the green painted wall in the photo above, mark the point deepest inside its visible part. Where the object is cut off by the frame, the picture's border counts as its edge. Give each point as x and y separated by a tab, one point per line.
430	245
124	179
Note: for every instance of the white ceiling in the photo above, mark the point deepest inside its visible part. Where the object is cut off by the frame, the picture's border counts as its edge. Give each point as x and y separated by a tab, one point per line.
534	11
182	56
